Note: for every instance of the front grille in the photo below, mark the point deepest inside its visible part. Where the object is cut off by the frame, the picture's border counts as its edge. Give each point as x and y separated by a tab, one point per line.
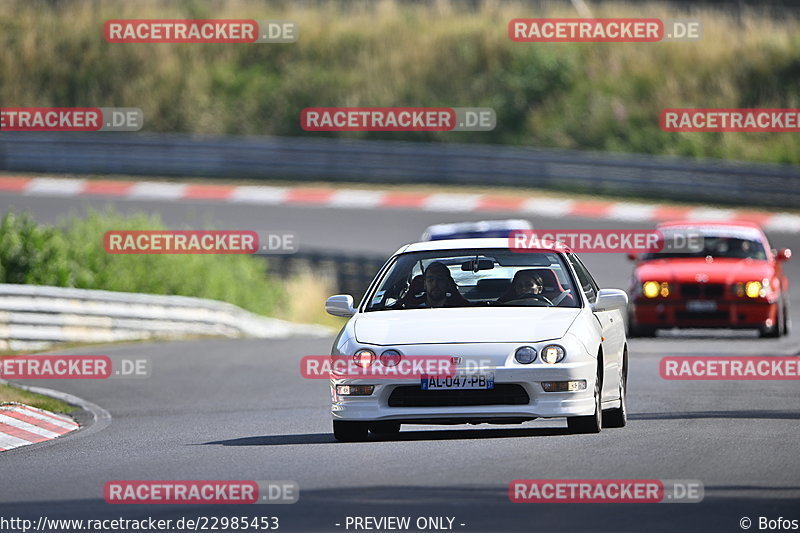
703	315
702	290
501	394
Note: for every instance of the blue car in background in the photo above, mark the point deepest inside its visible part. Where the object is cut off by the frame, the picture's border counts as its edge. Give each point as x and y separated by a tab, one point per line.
475	230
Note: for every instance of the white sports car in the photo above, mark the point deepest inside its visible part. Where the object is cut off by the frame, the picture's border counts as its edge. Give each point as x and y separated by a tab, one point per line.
529	334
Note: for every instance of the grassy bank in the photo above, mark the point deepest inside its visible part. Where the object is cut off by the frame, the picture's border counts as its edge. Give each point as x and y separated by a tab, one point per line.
595	96
71	254
13	394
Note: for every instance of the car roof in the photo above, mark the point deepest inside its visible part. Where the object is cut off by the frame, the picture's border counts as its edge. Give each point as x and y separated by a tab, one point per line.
481	226
727	228
704	223
487	243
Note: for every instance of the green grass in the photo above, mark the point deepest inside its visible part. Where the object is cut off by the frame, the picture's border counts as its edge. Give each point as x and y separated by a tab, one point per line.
71	254
13	394
591	96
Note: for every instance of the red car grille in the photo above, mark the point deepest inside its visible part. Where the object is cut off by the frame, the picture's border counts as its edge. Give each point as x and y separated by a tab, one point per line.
709	291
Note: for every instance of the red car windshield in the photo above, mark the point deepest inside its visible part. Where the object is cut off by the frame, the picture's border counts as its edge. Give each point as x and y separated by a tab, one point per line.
717	247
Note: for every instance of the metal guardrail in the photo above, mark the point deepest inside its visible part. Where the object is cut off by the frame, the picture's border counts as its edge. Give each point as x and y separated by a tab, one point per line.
32	316
302	158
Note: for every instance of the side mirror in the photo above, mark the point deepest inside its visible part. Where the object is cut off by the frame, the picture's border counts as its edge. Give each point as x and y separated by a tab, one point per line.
632	257
784	254
608	299
340	305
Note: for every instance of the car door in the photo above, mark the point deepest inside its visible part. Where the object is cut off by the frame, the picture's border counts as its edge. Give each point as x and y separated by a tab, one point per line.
610	325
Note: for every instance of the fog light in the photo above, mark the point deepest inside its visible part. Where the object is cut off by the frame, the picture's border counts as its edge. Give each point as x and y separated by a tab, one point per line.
564	386
664	291
739	289
354	390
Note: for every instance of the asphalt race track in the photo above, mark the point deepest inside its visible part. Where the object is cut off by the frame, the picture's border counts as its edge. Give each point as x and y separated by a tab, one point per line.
238	409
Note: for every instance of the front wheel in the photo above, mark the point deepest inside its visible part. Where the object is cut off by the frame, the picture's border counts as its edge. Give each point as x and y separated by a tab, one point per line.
787	328
779	328
346	431
635	330
618	417
590	423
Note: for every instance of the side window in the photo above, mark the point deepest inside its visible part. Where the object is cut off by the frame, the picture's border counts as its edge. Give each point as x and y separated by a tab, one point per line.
588	284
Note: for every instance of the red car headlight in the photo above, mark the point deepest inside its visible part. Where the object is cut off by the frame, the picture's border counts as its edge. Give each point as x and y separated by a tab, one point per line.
752	289
654	289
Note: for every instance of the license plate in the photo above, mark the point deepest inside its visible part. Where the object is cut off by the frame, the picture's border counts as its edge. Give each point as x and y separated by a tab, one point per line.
458	382
701	305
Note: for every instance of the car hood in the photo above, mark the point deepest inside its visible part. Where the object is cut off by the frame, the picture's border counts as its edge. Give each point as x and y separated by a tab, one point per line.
464	325
692	270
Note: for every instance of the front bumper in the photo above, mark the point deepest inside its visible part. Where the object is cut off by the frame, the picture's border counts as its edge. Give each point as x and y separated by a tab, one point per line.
727	314
541	404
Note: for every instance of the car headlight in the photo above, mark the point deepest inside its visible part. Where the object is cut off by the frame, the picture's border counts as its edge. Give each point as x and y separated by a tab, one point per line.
653	289
364	358
525	355
390	358
754	289
553	353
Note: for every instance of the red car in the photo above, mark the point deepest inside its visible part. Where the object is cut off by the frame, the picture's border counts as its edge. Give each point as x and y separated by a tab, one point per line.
728	277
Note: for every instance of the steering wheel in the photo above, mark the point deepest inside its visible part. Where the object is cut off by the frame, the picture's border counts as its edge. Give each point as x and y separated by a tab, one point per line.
526	298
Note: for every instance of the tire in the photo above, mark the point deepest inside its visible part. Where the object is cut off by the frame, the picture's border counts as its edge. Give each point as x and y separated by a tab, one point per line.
786	322
635	330
345	431
618	417
591	423
384	428
641	331
779	328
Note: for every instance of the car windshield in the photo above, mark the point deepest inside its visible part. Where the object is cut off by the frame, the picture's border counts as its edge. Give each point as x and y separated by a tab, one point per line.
468	278
718	247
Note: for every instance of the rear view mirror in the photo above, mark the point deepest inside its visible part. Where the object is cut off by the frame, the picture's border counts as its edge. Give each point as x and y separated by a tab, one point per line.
340	305
482	264
608	299
632	257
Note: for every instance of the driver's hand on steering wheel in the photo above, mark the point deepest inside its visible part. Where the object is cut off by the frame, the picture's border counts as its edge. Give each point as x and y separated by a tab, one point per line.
534	296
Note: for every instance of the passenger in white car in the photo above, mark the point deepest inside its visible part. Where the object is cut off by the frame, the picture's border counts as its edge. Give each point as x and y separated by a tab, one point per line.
438	289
